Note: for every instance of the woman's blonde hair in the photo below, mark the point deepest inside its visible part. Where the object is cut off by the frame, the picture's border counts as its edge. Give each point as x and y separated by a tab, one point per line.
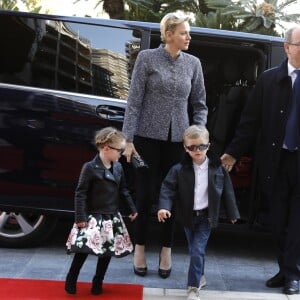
196	131
169	23
108	135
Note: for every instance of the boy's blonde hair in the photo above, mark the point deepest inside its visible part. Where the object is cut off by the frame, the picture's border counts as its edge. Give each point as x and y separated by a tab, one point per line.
108	135
169	23
196	131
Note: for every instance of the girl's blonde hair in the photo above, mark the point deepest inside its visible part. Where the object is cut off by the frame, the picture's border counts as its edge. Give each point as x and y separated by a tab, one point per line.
196	131
169	23
108	135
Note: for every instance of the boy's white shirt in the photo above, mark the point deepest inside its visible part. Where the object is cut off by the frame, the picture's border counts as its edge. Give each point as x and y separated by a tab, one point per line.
201	185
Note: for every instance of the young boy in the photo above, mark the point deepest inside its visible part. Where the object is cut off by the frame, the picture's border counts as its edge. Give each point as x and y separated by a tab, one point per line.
194	189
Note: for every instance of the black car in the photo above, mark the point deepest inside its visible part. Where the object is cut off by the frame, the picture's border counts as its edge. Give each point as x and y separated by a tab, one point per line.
63	78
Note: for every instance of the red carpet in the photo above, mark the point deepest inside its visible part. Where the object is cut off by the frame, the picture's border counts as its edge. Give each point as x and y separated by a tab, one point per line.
25	289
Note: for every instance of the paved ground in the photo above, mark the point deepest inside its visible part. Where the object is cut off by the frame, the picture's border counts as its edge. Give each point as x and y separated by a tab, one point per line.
238	263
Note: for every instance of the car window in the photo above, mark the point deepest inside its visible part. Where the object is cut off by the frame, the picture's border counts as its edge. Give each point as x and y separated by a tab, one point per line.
68	56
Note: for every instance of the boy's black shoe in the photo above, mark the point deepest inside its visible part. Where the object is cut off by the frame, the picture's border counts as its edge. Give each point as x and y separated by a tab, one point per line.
291	287
276	281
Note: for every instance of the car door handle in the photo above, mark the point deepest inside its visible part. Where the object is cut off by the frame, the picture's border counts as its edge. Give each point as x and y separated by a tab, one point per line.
110	112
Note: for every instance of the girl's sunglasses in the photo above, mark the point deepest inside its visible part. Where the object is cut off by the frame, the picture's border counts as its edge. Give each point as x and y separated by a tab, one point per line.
120	150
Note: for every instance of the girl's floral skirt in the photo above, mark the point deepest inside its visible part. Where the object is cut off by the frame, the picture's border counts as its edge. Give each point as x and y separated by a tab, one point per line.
105	235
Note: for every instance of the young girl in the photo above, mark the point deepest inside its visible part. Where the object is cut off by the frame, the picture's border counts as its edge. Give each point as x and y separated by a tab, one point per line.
99	228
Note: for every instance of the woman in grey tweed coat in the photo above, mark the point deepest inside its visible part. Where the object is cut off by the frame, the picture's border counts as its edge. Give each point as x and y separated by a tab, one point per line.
165	81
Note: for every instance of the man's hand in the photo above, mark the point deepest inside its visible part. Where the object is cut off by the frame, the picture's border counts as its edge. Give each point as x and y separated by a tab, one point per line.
228	161
163	214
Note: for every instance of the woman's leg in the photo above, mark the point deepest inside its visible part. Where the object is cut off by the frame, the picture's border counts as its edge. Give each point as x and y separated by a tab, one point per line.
171	153
145	189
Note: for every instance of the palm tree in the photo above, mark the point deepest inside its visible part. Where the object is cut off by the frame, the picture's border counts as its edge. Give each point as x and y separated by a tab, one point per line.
31	5
114	8
9	4
252	16
154	10
215	19
148	10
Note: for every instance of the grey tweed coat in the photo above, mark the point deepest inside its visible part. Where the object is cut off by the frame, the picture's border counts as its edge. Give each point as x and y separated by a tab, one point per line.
160	90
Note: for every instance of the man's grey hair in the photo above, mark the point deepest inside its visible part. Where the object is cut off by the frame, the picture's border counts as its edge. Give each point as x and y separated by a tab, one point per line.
288	34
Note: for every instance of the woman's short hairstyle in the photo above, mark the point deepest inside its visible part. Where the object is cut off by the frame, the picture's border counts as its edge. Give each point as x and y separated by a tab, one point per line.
196	131
169	23
108	136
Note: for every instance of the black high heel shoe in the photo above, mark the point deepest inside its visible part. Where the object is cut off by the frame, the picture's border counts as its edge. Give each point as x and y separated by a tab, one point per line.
140	271
162	272
140	251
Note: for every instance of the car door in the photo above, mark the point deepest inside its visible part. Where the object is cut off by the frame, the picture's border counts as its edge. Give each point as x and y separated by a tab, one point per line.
61	80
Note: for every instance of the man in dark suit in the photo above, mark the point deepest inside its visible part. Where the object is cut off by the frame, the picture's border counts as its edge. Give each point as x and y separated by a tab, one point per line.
268	121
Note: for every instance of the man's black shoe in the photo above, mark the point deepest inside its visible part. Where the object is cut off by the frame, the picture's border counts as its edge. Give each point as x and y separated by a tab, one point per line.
291	287
276	281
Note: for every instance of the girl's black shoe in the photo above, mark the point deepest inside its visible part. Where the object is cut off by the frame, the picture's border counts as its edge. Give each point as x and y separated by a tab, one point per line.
70	284
96	286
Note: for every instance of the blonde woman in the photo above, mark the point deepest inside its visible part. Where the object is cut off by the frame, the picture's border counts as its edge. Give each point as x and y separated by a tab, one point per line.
165	81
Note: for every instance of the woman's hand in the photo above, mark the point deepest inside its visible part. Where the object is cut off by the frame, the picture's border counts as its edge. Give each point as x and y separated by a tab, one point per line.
129	151
163	214
133	216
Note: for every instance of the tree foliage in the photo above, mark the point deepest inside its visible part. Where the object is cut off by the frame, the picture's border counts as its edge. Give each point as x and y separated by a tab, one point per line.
31	5
254	16
241	15
258	16
9	4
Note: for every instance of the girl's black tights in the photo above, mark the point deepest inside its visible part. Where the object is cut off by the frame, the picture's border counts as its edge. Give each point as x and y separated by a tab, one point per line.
79	259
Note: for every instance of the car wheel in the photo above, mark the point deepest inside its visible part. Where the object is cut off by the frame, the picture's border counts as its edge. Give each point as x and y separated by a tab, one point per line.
24	229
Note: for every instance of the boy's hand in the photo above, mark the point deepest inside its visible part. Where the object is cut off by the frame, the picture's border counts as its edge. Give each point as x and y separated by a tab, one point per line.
163	214
133	216
233	221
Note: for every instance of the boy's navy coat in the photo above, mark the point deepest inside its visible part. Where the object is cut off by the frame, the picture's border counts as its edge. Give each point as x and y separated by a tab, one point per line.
177	191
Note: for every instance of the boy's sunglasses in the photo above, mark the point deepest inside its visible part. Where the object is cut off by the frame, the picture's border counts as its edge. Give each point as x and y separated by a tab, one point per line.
194	148
120	150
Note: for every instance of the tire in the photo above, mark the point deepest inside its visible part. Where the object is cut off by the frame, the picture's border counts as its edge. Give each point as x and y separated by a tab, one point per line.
19	230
